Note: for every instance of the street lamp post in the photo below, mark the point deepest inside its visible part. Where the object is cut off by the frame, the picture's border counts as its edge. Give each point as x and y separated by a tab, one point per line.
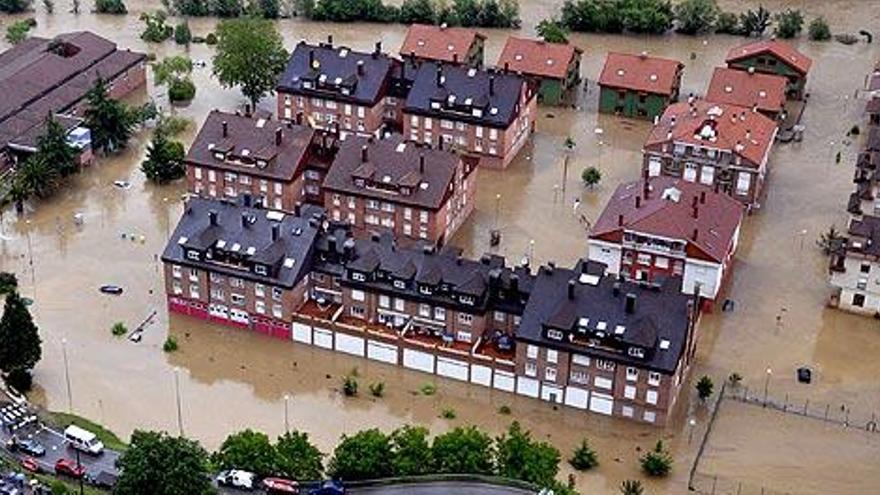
692	423
286	415
767	385
67	375
177	397
497	209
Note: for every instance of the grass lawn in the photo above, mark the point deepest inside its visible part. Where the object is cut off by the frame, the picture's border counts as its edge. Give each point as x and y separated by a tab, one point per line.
107	437
62	487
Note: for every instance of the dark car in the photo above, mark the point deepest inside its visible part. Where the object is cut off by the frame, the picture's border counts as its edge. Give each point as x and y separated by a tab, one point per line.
329	487
111	289
27	446
69	468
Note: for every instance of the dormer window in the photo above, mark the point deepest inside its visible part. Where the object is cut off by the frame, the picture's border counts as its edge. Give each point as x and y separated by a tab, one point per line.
469	300
220	156
636	352
358	277
193	255
554	334
260	270
399	284
426	290
307	84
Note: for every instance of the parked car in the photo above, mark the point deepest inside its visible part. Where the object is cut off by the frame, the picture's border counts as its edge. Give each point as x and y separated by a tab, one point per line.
27	446
111	289
237	478
329	487
83	440
68	467
279	486
31	465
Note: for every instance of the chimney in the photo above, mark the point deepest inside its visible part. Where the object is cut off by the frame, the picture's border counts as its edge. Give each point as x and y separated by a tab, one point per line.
278	135
275	230
212	217
331	244
506	67
244	220
422	163
330	40
225	126
299	118
455	58
246	199
630	303
491	84
296	208
620	220
643	55
702	197
571	285
364	153
695	234
615	289
459	260
360	67
638	201
311	59
439	75
514	283
378	48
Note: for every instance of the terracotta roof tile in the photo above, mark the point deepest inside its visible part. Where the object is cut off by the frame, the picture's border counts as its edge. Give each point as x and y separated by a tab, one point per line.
438	42
640	73
747	89
536	57
780	50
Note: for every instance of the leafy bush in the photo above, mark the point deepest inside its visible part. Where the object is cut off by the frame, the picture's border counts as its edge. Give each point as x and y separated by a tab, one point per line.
365	455
754	22
658	461
448	413
377	389
8	282
17	31
429	389
182	34
110	7
696	16
727	23
704	387
211	39
584	457
591	176
350	385
170	344
192	8
20	379
505	410
417	11
118	329
789	24
819	30
552	31
156	31
181	90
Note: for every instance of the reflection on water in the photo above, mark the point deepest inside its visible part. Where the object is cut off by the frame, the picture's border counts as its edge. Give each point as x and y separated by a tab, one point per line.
230	380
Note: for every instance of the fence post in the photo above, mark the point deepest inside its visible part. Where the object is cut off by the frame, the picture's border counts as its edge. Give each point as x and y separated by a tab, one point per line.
714	482
827	408
785	406
806	406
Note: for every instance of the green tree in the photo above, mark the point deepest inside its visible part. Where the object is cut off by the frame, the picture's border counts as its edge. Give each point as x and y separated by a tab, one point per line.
646	16
249	450
831	241
696	16
464	450
37	177
155	30
297	458
20	344
110	7
182	34
819	29
365	455
110	121
411	452
193	8
520	457
584	457
164	160
603	16
631	487
159	464
789	23
267	9
591	176
175	72
52	146
754	22
552	31
704	387
8	283
658	461
250	54
727	23
15	6
417	11
17	31
227	8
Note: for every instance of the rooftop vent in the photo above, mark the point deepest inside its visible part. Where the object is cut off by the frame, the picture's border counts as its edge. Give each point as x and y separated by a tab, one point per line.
664	344
728	89
289	262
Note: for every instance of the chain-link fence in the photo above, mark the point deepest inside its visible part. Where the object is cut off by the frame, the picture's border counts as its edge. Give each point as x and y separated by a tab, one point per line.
712	484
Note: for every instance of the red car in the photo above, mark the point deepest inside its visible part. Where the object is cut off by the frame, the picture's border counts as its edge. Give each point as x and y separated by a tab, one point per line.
30	464
69	468
280	486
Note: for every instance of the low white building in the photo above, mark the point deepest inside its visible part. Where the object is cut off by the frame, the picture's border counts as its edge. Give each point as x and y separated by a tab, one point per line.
855	272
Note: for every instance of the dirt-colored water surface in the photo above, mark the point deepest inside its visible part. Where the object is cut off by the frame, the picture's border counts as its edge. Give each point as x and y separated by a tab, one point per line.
229	379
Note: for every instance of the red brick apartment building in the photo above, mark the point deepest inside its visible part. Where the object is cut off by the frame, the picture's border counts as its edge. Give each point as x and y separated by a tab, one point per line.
334	86
449	45
240	266
716	144
487	114
409	190
665	227
747	88
42	76
277	164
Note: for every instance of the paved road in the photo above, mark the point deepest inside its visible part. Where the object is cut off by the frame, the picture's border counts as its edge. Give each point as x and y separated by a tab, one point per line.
441	488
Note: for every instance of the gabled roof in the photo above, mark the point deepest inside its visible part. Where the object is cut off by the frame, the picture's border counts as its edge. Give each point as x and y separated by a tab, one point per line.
782	51
730	128
537	57
441	43
747	89
640	73
673	209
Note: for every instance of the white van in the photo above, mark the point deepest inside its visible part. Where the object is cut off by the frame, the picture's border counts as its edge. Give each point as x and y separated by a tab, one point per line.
83	440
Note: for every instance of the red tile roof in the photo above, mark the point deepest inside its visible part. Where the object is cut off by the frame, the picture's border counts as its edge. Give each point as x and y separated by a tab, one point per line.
730	128
670	211
536	57
747	89
439	42
782	51
640	73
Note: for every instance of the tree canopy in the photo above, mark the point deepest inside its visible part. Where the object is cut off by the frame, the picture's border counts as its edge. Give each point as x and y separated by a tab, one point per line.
250	54
411	451
696	16
110	121
297	458
248	450
52	145
464	450
364	455
552	31
164	160
20	343
159	464
520	457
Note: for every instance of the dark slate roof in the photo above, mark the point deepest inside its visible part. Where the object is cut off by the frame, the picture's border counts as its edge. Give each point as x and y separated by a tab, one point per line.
391	166
329	71
462	93
864	235
249	139
28	140
873	142
288	256
660	318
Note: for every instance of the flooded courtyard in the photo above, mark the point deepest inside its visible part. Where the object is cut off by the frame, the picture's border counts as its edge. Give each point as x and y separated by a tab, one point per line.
231	379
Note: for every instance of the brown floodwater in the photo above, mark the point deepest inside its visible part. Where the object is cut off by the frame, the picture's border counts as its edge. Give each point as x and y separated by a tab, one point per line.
231	380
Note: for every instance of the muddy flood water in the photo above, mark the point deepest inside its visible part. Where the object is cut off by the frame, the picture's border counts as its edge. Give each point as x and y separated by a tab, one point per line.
231	380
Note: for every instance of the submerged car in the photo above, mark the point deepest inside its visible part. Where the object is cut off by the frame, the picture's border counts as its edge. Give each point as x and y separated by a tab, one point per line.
237	478
111	289
27	446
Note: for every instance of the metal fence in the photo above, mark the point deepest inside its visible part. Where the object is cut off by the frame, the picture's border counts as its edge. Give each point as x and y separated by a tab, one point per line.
712	484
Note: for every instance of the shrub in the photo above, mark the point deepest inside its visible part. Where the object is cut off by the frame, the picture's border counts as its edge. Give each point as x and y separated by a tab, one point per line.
789	24
181	90
448	413
170	344
182	34
734	379
591	176
350	386
704	387
156	31
819	29
854	130
505	410
8	282
118	329
377	389
584	457
17	31
552	31
20	379
696	16
211	39
429	389
727	23
658	461
110	7
631	487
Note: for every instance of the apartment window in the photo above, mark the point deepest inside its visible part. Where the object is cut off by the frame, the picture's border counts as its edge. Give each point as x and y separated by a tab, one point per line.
499	316
651	397
661	262
399	305
276	293
414	121
428	123
636	352
237	299
440	314
654	165
858	300
372	204
197	171
176	287
358	311
193	255
244	179
629	392
463	336
446	124
193	275
580	377
653	378
602	382
347	109
212	176
604	364
236	282
331	104
554	334
644	259
389	207
493	134
424	310
358	277
627	411
384	301
175	271
743	183
399	284
865	268
531	369
479	131
632	374
264	185
580	359
532	351
465	318
217	293
260	307
550	374
194	291
650	416
708	175
862	283
259	290
423	216
358	295
552	356
277	311
690	172
361	113
260	269
277	188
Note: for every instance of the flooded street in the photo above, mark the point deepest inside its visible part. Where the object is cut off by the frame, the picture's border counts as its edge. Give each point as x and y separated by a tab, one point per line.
230	379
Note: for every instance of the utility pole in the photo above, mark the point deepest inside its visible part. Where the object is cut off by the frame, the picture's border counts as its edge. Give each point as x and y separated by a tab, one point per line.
177	396
67	376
